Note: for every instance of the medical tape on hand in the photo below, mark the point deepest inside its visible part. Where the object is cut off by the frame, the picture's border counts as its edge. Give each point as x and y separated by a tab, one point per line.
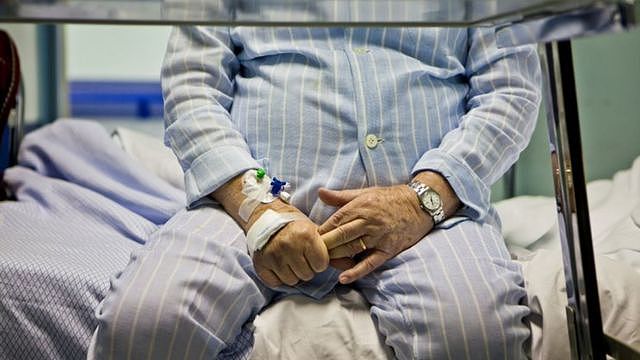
267	224
256	192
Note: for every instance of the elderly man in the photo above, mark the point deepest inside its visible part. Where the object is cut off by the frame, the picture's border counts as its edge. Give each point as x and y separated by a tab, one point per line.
388	140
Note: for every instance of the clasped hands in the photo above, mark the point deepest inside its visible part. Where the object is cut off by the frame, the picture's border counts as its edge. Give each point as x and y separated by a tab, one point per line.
374	223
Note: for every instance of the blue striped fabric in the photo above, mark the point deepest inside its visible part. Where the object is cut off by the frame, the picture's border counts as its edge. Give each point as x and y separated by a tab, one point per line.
340	108
302	102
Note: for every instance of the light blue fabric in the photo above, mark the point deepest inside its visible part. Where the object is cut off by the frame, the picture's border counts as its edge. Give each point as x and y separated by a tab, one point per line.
82	206
303	102
192	292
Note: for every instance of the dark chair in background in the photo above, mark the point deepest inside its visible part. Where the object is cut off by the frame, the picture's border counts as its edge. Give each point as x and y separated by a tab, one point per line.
11	103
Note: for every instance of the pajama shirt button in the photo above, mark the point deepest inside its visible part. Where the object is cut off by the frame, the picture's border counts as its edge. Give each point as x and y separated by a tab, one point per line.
372	141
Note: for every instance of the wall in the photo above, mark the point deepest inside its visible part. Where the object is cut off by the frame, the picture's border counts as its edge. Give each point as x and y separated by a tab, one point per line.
123	52
607	70
607	74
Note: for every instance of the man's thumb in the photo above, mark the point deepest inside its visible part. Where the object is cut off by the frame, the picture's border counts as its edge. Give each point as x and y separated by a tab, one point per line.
338	198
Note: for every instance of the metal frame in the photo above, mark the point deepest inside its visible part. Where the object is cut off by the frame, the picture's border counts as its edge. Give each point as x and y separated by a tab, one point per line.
51	87
583	308
249	12
584	320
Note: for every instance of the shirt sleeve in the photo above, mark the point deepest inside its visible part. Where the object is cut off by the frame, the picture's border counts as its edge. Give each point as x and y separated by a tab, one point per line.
501	112
198	85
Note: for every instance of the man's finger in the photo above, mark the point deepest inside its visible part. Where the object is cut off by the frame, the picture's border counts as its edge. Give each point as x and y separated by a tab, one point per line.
371	262
287	276
317	256
338	197
342	263
302	269
269	278
350	249
344	233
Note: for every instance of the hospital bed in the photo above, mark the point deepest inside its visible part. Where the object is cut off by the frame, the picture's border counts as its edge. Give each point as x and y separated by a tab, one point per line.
52	316
73	177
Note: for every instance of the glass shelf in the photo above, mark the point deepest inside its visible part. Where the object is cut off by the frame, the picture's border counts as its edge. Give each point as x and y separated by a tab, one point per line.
290	12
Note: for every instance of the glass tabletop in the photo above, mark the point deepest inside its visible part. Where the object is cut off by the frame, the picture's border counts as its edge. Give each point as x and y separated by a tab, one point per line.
290	12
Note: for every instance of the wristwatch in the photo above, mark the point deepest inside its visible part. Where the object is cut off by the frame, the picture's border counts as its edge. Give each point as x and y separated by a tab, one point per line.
429	200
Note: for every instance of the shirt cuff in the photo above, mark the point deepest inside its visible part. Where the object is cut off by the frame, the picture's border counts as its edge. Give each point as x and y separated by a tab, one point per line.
215	168
474	194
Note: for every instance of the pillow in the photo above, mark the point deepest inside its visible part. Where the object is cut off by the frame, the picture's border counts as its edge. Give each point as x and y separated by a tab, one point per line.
151	153
526	219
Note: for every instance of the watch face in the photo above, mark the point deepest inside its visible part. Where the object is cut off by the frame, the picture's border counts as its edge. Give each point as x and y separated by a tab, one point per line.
431	200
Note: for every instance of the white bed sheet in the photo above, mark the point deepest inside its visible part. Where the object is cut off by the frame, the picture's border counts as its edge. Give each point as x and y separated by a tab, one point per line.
531	231
339	327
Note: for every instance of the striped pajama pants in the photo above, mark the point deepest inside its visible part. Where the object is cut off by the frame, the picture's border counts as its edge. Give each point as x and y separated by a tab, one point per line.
192	293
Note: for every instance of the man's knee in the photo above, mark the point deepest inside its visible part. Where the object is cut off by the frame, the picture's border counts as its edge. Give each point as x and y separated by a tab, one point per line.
130	321
492	329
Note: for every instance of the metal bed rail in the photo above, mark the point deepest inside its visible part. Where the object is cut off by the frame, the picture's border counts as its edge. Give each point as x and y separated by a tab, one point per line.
583	312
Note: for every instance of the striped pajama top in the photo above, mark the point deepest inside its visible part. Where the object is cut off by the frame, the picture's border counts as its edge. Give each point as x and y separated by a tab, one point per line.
348	108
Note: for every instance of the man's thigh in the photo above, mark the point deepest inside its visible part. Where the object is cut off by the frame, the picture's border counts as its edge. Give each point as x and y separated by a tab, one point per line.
455	294
191	288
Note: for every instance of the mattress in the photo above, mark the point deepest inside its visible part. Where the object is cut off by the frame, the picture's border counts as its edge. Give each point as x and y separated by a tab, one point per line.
86	199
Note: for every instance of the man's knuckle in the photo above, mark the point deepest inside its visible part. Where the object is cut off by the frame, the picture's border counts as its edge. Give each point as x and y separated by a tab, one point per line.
369	265
372	197
337	218
276	260
286	247
343	234
317	253
307	276
320	262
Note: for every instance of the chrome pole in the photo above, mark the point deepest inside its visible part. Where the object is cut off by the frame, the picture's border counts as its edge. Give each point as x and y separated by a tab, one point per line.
583	307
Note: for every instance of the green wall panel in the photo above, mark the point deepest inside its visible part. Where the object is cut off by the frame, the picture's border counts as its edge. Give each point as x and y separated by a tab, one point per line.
608	81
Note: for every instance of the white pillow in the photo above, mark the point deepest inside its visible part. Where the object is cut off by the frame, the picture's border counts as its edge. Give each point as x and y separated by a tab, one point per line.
526	219
151	153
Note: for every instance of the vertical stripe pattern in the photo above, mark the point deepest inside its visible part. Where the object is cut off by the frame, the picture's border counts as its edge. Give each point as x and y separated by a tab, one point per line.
302	102
339	108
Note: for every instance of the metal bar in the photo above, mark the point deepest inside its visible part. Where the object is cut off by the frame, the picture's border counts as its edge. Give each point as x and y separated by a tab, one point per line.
49	68
248	13
509	179
620	350
585	322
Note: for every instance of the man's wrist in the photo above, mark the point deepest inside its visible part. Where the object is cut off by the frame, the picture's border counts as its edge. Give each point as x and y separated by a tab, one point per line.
278	206
437	182
266	225
429	200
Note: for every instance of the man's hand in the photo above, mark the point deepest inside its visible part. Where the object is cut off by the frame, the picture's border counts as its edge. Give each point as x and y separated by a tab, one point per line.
378	222
295	253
